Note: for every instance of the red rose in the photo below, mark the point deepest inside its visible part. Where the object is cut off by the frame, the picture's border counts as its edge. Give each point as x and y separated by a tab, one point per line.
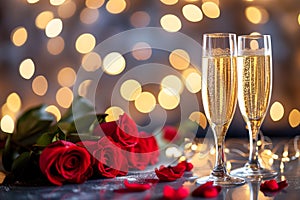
124	131
169	133
188	166
171	193
143	153
110	159
64	161
169	173
207	190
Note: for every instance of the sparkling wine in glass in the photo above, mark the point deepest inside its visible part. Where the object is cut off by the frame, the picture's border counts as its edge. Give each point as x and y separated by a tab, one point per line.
254	63
219	95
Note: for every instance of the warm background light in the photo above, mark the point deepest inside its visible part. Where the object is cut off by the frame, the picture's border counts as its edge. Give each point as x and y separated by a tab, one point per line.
54	111
179	59
83	88
294	118
130	89
199	118
67	9
39	85
89	16
193	81
94	4
55	45
32	1
13	102
114	63
192	13
172	83
66	77
169	2
85	43
115	6
91	61
170	23
54	28
276	111
140	19
7	124
141	51
145	102
211	9
27	68
64	97
113	113
56	2
168	99
19	36
43	19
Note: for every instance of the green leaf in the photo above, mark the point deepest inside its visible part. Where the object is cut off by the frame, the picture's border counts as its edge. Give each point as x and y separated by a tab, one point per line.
8	155
33	121
21	162
45	139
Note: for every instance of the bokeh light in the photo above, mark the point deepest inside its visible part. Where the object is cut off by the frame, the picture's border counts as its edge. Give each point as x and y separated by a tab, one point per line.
172	83
113	113
27	68
32	1
294	118
56	2
114	63
254	45
192	13
64	97
85	43
299	19
170	23
276	111
66	77
6	111
211	9
55	45
130	89
179	59
115	6
199	118
13	102
169	2
84	87
145	102
193	81
141	51
39	85
89	16
54	111
43	19
54	28
168	99
7	124
257	15
140	19
94	4
91	61
19	36
67	9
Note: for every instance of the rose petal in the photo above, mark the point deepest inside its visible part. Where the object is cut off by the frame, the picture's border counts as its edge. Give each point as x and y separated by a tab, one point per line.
207	190
169	173
269	187
171	193
136	187
188	166
170	133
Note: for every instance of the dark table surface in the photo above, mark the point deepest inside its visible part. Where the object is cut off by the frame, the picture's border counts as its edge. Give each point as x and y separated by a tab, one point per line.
107	188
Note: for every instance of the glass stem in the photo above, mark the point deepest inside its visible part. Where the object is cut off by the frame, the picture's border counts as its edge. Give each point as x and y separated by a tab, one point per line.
219	169
253	153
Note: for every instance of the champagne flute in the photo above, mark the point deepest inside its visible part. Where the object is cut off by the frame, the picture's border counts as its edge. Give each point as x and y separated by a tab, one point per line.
254	63
219	95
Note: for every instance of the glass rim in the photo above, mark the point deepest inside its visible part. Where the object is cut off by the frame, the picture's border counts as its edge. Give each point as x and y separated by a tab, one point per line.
218	35
254	36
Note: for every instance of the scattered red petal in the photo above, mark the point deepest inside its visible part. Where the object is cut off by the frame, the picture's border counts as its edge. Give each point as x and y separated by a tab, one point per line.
271	187
171	193
188	166
207	190
136	187
169	173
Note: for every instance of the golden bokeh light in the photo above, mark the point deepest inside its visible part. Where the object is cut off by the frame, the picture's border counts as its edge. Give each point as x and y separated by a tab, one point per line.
294	118
55	45
141	51
56	2
169	2
67	9
40	85
276	111
91	61
130	89
168	99
85	43
186	72
66	77
115	6
43	19
114	63
89	16
145	102
299	19
256	15
199	118
255	33
19	36
179	59
7	124
32	1
64	97
170	23
254	45
192	13
54	28
113	113
94	4
211	9
140	19
27	68
6	111
193	82
172	83
54	111
13	102
84	87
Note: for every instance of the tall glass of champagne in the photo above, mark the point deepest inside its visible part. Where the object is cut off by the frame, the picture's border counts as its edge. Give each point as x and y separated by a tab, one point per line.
254	63
219	95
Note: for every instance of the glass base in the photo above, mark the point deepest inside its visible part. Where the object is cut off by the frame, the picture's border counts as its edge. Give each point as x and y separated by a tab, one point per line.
225	181
254	174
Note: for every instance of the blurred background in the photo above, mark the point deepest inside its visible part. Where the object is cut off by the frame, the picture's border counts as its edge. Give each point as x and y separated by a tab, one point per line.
44	42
